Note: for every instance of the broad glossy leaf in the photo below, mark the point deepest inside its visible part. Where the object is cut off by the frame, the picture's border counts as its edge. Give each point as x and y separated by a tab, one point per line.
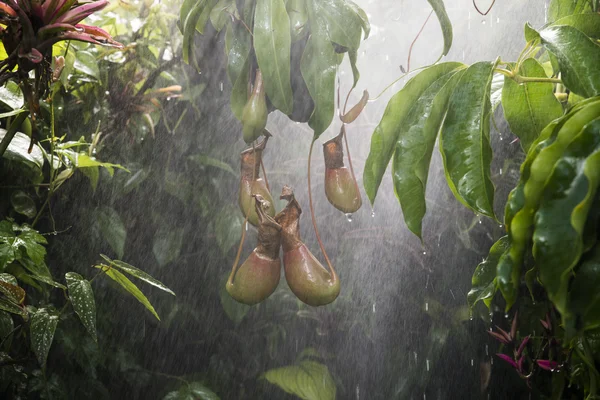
82	299
465	140
339	20
530	106
112	228
385	136
18	150
86	63
364	19
318	67
167	245
562	8
129	286
205	15
11	307
39	272
13	292
23	204
188	19
272	43
588	23
309	380
42	328
11	96
416	140
192	391
445	24
578	58
222	12
138	273
584	296
228	225
237	47
496	90
560	220
483	281
8	278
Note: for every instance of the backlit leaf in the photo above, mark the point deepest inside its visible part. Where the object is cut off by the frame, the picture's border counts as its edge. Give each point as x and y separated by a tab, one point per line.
82	299
23	204
309	380
18	150
42	328
483	281
445	24
112	228
138	273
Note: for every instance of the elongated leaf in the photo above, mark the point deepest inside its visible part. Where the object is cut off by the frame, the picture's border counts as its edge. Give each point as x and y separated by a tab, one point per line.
588	23
42	328
237	46
578	58
272	43
560	220
112	228
189	16
340	21
530	106
416	140
484	278
18	150
167	245
6	328
138	273
221	12
584	296
23	204
12	292
129	286
562	8
205	15
318	67
445	24
364	19
308	380
11	307
82	299
465	140
205	160
385	136
496	90
11	96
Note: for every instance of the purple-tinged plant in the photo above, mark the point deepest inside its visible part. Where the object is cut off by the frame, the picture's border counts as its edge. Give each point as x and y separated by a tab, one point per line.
547	365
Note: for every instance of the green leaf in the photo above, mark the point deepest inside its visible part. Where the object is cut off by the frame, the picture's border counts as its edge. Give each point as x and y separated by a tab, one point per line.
6	328
86	63
39	272
42	328
93	174
496	90
11	307
416	140
167	245
18	150
531	34
138	273
12	291
445	24
562	8
222	12
578	58
588	23
364	20
205	15
112	228
484	278
228	225
465	140
23	204
11	96
129	286
8	278
188	19
205	160
530	106
82	299
192	391
308	380
234	310
318	68
339	20
385	137
560	220
272	44
584	296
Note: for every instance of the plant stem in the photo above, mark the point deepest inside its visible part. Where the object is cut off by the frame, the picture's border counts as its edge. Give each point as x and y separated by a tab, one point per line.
12	131
415	41
525	79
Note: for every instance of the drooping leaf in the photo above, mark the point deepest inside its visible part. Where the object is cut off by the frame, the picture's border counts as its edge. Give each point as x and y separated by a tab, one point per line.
414	148
138	273
188	19
82	299
11	307
560	220
385	136
6	328
465	140
272	44
42	328
221	12
192	391
237	47
23	204
530	106
129	286
588	23
11	96
584	296
340	21
167	245
483	281
18	150
445	24
562	8
318	67
228	225
205	160
86	63
112	228
578	58
39	272
12	292
309	380
234	310
205	15
364	19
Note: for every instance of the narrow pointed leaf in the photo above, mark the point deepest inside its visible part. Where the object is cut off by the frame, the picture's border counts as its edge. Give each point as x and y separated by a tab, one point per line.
42	328
190	14
364	20
414	148
465	140
272	44
129	286
355	111
385	136
530	106
445	24
138	273
237	46
584	296
483	281
82	299
578	58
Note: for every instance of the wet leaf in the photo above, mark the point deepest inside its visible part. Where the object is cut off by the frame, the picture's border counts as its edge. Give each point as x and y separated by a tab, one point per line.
578	58
496	90
192	391
138	273
40	272
222	12
414	148
11	96
167	245
584	296
445	24
13	292
188	19
6	328
18	150
272	44
82	299
483	281
86	63
355	111
11	307
308	380
42	328
364	20
465	140
228	225
562	8
588	23
530	106
129	286
340	21
205	160
564	208
112	228
23	204
237	47
234	310
385	136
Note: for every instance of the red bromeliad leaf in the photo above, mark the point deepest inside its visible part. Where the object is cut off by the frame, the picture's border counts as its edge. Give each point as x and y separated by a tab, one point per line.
508	360
53	29
547	365
499	337
81	12
34	55
522	346
6	9
513	328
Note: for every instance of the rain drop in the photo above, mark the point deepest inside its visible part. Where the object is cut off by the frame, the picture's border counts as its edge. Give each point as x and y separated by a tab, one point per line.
483	22
221	85
349	217
427	364
472	362
246	226
372	213
373	308
426	306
